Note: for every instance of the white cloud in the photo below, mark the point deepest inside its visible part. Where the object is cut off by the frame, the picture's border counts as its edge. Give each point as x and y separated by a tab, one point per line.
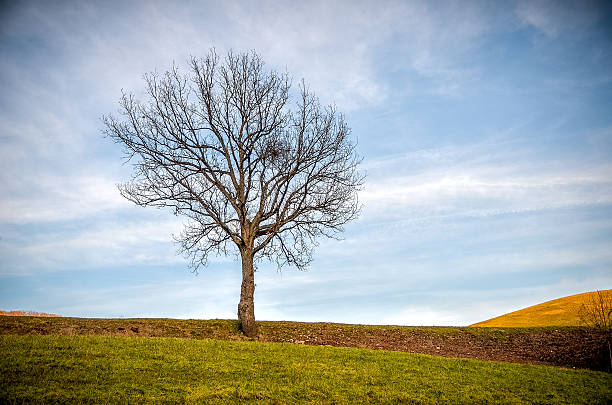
114	242
51	198
553	17
330	45
527	260
419	315
435	40
186	297
477	180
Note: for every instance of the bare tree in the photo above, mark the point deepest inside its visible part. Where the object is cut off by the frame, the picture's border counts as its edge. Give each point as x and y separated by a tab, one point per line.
225	147
596	312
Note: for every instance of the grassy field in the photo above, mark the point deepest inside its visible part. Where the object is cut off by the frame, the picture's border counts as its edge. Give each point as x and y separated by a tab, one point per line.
105	369
560	312
570	347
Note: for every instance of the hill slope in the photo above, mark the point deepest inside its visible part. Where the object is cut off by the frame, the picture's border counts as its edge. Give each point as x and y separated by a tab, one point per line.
560	312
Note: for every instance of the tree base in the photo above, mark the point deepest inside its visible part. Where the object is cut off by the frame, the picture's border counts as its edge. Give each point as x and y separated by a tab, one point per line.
249	328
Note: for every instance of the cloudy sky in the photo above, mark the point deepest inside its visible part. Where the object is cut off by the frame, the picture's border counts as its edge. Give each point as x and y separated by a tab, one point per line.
485	127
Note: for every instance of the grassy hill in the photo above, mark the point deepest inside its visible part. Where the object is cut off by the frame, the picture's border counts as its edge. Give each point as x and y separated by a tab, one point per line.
81	360
559	312
113	369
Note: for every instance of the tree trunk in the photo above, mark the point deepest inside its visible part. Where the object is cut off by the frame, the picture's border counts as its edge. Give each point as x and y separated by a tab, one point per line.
246	307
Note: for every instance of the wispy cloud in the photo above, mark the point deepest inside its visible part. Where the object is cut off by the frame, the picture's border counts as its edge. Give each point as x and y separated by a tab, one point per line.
193	295
554	17
486	178
58	198
93	244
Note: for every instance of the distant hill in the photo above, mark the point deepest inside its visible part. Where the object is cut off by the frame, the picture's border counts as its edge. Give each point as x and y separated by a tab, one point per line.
27	313
560	312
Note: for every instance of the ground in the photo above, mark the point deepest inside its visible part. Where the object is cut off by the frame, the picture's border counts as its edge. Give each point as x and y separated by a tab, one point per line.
572	347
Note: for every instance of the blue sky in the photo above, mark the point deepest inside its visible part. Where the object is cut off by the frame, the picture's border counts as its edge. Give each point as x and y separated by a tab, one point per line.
485	127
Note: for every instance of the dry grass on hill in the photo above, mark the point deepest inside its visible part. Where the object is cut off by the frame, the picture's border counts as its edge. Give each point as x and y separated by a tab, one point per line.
27	313
566	311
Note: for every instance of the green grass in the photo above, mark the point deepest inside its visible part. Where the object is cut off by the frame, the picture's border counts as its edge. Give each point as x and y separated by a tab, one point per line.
116	369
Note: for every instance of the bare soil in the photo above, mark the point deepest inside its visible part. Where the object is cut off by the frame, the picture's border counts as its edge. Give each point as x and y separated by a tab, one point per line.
565	347
571	347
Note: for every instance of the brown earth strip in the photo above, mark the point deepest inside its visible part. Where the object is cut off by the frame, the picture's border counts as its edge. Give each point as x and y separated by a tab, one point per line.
572	347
